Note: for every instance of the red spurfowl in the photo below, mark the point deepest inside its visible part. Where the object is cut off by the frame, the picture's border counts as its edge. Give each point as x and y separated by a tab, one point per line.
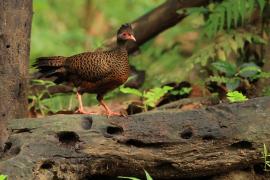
92	72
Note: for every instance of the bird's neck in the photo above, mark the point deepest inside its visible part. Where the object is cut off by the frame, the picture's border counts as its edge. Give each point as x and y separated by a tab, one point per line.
121	43
121	49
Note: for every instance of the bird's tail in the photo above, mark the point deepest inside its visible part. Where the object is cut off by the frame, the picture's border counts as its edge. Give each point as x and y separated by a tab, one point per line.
50	66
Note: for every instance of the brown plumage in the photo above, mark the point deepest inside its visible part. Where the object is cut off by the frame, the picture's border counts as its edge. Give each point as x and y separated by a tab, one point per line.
92	72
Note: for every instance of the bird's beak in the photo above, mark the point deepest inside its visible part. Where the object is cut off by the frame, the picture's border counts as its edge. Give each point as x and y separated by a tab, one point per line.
131	37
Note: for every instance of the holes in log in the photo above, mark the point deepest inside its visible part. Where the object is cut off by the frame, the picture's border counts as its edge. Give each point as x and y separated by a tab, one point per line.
241	145
23	130
259	168
19	90
223	126
113	130
14	151
138	143
87	123
166	165
208	137
187	133
7	146
48	164
135	142
3	115
10	150
7	46
68	137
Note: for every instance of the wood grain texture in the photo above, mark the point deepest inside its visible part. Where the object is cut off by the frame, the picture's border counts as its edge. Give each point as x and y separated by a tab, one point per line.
168	144
15	29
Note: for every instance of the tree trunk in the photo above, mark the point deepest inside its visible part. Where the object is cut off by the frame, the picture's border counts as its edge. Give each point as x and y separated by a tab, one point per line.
15	28
168	144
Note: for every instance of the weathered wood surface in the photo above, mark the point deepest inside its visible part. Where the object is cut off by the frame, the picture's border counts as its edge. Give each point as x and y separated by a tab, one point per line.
168	144
15	28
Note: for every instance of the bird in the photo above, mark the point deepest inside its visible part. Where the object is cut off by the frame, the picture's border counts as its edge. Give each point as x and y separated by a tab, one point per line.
96	72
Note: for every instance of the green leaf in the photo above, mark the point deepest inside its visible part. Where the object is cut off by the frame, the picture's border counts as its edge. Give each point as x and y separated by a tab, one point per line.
265	153
225	67
265	158
221	20
235	13
182	91
58	102
218	79
261	4
154	95
248	70
131	178
3	177
148	177
233	83
235	96
233	45
133	91
45	83
221	55
242	10
262	75
258	40
229	18
193	10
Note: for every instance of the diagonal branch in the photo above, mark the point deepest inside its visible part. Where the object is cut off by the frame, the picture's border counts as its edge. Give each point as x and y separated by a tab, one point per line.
158	20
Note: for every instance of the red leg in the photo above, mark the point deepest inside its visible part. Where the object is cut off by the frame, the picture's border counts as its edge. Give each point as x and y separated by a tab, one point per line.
81	109
107	109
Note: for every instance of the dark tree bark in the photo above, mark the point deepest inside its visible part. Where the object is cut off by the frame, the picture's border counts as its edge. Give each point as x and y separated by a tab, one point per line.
158	20
168	144
15	27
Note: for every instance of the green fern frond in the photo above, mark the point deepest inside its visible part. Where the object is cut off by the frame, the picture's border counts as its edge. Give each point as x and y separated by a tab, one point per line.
218	79
261	4
235	96
222	46
233	11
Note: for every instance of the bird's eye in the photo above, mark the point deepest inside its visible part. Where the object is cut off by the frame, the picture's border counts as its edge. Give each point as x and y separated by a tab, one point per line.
124	34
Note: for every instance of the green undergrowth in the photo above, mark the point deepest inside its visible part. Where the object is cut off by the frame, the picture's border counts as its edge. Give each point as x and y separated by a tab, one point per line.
217	36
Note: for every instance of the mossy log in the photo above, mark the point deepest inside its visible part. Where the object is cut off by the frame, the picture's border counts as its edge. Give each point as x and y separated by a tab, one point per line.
168	144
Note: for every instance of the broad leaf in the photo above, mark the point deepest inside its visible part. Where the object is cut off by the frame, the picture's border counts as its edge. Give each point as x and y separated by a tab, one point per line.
248	70
225	67
232	84
133	91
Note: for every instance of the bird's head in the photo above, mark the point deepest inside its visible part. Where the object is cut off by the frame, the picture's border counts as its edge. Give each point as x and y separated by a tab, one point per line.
125	33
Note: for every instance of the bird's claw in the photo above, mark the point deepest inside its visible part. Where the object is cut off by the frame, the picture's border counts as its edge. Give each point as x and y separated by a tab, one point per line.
82	111
111	113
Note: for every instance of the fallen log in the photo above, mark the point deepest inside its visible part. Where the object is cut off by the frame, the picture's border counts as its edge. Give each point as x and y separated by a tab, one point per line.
168	144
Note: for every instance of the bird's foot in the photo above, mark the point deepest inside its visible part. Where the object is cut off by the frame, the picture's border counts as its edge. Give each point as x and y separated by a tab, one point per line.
82	111
110	113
